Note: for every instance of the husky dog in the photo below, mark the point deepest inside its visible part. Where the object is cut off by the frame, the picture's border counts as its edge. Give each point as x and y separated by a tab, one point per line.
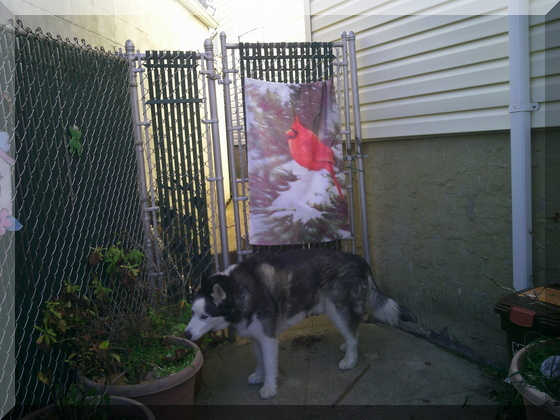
266	294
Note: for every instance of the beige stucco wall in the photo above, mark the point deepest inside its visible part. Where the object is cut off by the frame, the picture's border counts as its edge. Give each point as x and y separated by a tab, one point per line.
547	206
440	231
150	24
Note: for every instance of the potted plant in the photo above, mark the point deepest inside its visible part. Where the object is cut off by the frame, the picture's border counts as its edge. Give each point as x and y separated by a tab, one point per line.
78	404
535	373
121	333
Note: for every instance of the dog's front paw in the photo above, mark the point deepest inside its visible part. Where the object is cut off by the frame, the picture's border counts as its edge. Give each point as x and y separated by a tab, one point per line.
346	364
255	378
266	392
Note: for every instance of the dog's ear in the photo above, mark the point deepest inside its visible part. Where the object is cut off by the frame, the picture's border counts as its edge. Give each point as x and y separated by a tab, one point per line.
218	294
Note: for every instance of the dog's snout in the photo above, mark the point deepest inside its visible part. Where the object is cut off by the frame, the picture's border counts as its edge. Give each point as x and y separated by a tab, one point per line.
188	335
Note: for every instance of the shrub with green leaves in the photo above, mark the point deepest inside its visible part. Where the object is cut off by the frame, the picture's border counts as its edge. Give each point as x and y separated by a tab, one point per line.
107	324
536	353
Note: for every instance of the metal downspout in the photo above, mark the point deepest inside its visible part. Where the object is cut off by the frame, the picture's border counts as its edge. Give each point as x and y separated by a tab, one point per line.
520	139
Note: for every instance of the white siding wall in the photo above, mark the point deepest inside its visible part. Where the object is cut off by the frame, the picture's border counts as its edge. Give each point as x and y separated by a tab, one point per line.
431	74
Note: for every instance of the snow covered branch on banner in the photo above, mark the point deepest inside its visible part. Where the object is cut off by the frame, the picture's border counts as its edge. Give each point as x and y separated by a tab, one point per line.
296	176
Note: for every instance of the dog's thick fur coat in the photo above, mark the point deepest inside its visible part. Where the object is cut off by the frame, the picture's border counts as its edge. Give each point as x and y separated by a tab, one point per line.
266	294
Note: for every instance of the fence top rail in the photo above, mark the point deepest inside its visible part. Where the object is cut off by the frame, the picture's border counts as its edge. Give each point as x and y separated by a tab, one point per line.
337	44
19	30
171	55
302	44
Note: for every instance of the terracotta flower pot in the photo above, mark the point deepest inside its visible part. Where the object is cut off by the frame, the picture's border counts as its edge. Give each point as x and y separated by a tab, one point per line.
168	398
538	405
119	407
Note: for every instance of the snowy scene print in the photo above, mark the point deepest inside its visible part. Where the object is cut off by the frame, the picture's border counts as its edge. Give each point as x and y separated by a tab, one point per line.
296	168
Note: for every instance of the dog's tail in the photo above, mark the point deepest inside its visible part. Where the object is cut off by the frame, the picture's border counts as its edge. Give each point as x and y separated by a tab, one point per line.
385	309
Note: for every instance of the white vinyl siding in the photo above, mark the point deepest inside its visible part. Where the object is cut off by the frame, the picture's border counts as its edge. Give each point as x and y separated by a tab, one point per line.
431	74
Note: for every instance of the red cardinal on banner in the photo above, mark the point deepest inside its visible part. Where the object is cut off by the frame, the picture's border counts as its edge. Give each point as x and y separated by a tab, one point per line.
309	152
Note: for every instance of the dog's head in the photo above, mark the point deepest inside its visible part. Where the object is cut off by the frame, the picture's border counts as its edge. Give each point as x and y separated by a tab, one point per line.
210	310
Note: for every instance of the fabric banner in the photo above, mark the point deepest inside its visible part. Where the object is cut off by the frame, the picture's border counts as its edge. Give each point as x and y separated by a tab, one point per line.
296	179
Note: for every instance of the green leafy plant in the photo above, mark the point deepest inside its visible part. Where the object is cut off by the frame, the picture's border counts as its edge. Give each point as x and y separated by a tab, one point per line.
114	327
75	402
74	144
535	374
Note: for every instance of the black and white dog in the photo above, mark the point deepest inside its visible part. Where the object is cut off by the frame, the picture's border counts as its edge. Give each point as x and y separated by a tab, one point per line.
266	294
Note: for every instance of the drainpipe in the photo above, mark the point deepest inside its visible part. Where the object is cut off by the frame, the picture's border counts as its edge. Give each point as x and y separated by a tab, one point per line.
520	121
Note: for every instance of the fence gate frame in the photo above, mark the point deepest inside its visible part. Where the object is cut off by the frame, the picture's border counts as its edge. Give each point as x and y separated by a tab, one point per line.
342	69
145	126
346	85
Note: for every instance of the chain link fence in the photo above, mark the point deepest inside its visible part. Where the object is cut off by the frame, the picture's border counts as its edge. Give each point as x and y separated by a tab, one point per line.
75	179
7	265
83	177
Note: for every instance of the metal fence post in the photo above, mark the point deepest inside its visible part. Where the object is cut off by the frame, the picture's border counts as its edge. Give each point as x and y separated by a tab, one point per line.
149	246
349	157
236	198
219	178
359	153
